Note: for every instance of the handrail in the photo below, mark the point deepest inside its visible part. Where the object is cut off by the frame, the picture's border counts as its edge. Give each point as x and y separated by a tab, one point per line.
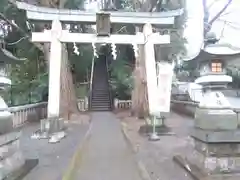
90	84
23	107
91	76
29	112
109	89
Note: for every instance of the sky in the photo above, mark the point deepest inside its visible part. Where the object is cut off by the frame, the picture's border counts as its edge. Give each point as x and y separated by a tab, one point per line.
226	28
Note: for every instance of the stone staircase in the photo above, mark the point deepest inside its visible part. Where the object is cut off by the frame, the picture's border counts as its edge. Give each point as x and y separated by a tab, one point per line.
100	100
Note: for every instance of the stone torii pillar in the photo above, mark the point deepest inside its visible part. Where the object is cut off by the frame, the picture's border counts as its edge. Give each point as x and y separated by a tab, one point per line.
55	62
53	125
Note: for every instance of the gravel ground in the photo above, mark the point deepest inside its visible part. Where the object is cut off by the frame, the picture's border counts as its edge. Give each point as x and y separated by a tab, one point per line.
157	156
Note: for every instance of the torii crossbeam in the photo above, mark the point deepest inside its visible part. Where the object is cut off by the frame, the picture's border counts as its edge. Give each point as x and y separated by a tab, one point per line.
49	14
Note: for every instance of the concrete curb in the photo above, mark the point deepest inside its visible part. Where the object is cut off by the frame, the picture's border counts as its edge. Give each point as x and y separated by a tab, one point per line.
141	167
76	158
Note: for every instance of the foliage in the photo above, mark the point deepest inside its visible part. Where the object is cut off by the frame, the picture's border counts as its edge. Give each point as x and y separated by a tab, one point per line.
81	64
81	90
29	79
235	73
74	4
178	49
121	79
126	5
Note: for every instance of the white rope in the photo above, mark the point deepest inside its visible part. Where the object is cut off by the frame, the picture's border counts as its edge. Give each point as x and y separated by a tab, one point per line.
135	49
75	49
114	51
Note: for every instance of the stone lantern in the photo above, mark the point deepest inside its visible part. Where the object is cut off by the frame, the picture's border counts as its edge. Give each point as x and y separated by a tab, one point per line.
216	127
12	158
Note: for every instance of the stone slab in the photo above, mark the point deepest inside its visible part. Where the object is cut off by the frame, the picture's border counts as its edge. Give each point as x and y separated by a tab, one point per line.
209	136
213	119
217	149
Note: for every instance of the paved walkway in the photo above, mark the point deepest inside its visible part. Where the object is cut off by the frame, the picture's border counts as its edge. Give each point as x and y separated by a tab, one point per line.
106	155
54	159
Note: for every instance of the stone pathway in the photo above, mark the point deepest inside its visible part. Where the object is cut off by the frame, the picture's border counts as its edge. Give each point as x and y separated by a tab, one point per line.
54	159
106	155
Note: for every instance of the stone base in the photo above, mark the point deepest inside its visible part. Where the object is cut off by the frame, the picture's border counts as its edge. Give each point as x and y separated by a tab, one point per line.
217	149
160	130
160	127
215	119
215	164
199	174
212	160
52	125
208	136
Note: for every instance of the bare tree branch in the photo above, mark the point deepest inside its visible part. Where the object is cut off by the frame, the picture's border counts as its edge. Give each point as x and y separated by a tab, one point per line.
220	12
208	23
39	46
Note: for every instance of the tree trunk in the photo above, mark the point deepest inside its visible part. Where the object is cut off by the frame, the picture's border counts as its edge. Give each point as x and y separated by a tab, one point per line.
139	93
68	102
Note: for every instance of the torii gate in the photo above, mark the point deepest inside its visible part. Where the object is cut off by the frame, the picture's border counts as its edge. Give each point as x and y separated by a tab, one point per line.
57	35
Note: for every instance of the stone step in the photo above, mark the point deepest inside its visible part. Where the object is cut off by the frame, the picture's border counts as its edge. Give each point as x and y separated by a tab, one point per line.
100	91
101	105
96	94
101	109
100	94
100	100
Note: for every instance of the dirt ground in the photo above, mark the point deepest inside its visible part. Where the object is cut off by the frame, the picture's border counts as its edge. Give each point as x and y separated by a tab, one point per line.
157	156
81	118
